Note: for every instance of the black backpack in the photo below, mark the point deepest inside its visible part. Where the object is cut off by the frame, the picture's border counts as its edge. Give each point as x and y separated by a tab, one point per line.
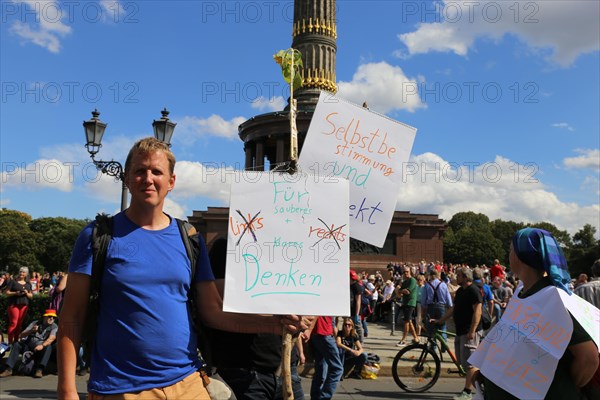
101	237
486	318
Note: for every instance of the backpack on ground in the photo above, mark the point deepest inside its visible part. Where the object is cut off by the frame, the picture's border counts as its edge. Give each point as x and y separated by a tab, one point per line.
101	237
26	365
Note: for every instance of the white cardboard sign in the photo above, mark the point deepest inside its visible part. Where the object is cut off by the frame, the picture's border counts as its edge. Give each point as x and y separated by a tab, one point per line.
367	149
288	245
520	354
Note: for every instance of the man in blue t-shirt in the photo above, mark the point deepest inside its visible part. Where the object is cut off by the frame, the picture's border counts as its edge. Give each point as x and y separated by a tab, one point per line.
488	296
145	341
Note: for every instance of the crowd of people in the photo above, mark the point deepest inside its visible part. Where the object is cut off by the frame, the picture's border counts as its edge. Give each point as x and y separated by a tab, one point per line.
134	306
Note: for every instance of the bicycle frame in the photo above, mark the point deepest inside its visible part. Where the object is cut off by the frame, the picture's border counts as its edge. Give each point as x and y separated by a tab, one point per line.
438	335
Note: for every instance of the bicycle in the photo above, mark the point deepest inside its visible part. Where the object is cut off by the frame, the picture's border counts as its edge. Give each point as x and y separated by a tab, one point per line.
417	367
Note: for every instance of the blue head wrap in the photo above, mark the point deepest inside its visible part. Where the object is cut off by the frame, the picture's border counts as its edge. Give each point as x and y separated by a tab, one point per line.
538	249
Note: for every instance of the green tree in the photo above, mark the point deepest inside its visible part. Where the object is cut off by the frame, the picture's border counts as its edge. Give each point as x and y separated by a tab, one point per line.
470	240
563	237
19	245
504	231
470	220
585	250
471	246
585	237
57	237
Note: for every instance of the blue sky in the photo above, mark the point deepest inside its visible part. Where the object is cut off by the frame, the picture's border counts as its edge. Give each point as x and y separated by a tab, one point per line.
505	97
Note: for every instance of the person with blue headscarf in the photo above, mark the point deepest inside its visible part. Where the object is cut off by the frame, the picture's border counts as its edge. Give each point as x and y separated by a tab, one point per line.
537	259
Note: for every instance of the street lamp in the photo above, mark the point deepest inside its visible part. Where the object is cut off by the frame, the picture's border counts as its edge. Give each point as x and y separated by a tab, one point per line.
164	128
94	130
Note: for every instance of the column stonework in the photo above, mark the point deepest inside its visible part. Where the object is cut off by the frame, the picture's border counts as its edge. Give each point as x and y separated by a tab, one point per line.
314	34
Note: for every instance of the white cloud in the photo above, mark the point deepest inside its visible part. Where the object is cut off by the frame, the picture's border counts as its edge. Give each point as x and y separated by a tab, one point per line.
589	158
497	189
384	87
591	183
276	103
48	29
114	148
203	180
174	209
560	30
563	125
190	128
113	11
41	174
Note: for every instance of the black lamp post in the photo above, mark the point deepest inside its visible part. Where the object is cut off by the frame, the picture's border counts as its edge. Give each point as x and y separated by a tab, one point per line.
94	130
164	128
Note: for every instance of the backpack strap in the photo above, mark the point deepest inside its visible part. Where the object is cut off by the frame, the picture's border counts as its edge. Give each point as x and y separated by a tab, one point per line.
191	241
189	236
101	237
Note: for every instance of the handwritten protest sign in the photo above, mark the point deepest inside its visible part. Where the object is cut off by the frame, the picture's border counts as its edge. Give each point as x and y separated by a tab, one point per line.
585	313
288	245
521	352
368	149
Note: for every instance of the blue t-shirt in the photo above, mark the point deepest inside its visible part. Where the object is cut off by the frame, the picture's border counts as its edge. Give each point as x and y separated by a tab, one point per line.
145	335
487	292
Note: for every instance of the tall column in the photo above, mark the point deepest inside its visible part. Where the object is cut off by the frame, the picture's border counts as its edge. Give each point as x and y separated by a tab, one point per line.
280	151
249	152
314	35
259	161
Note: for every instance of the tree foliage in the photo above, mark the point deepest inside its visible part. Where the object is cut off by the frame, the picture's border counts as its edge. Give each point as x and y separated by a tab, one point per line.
58	236
504	231
584	238
473	247
563	237
472	239
585	251
42	244
18	244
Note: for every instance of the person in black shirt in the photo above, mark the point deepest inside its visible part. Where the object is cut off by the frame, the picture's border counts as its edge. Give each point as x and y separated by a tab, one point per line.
347	340
467	318
19	294
248	363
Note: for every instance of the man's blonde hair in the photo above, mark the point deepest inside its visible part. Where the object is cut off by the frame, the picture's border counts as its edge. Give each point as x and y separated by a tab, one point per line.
150	145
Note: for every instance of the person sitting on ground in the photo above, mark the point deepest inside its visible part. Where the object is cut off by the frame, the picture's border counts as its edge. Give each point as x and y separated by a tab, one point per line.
37	338
351	349
500	299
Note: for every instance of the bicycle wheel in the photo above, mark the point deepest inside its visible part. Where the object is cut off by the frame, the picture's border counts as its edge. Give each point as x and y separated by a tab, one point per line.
416	368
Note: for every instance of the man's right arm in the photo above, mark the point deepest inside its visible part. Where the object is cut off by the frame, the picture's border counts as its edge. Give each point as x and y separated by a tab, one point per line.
71	324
